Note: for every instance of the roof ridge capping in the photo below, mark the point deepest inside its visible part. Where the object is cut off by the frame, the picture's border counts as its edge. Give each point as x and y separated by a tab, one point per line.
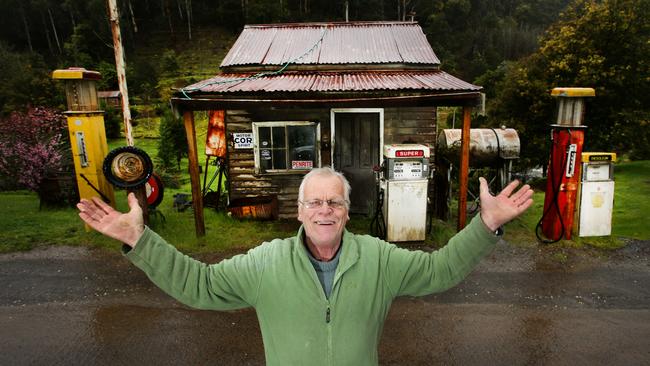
321	24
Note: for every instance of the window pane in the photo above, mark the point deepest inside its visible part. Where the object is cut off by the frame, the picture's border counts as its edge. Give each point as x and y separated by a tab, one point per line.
280	159
264	136
265	159
302	145
278	137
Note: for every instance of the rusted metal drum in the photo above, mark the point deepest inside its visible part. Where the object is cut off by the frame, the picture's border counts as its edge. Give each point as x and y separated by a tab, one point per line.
258	208
488	146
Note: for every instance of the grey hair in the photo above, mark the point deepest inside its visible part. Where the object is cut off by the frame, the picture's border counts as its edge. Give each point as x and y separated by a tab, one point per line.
325	171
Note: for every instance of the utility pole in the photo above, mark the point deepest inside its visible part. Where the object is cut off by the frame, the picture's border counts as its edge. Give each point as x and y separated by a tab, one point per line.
114	18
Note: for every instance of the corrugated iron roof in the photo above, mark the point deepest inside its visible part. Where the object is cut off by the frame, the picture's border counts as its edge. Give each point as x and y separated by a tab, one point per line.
342	43
109	94
434	80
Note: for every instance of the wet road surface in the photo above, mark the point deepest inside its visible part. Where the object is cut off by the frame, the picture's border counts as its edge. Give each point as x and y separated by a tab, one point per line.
80	306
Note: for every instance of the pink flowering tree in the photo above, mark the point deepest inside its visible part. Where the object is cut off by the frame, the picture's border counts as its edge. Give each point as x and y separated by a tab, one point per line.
33	145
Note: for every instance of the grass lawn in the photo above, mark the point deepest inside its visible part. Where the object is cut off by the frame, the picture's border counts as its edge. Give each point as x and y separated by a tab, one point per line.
630	206
23	226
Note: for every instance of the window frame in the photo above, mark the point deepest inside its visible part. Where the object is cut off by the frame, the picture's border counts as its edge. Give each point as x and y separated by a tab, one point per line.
256	146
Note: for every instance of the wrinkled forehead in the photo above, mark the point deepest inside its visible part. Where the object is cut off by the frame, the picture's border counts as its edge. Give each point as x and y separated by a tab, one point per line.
327	186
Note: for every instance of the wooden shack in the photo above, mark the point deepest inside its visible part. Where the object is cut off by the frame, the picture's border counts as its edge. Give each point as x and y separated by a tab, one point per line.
299	96
112	98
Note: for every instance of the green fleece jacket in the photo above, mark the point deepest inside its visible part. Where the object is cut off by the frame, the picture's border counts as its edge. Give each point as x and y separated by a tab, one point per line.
299	325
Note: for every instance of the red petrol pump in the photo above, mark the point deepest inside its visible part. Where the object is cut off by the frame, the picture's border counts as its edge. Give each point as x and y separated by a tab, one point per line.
563	174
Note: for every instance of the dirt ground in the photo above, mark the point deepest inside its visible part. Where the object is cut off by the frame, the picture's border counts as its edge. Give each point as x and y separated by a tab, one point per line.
522	306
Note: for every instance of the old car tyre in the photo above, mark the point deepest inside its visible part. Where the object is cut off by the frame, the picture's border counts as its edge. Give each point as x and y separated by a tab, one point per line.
127	167
155	191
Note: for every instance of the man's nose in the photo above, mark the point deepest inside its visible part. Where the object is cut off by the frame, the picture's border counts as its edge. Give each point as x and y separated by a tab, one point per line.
326	207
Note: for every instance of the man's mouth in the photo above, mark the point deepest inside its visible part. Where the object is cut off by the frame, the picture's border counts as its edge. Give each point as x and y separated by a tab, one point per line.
325	222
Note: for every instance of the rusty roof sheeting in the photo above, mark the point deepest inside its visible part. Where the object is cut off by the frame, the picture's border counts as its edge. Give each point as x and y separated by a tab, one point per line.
435	80
342	43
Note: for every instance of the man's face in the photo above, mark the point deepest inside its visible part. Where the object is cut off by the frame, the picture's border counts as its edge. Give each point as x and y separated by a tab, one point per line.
323	225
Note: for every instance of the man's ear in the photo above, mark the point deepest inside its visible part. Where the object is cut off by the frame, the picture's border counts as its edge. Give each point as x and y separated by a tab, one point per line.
299	213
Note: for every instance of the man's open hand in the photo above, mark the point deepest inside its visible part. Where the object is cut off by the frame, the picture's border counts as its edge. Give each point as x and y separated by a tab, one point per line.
125	227
500	209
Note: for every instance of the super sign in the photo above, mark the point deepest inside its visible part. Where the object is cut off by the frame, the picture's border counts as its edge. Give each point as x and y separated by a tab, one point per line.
409	153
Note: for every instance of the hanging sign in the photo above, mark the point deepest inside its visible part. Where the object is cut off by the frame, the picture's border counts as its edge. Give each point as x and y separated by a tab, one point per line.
243	140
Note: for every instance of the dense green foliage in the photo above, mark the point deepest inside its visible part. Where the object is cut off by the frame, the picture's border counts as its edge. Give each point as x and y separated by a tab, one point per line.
471	36
172	144
516	49
599	44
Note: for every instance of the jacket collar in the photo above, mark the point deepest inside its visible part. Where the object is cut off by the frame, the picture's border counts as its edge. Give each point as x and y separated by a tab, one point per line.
349	246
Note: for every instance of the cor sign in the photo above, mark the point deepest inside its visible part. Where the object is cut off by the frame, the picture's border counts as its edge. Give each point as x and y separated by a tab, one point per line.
243	140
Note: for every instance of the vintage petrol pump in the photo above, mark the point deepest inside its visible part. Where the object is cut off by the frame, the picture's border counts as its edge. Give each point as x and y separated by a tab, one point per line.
596	198
562	184
405	183
86	130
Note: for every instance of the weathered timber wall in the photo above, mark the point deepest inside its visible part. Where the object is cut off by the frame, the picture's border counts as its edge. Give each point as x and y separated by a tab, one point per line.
241	162
401	125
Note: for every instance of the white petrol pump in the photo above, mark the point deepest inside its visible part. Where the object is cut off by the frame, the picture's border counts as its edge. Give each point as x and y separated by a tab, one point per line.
596	194
405	183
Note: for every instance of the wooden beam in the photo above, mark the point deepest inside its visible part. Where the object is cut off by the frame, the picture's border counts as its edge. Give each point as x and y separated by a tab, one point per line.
463	172
197	197
208	102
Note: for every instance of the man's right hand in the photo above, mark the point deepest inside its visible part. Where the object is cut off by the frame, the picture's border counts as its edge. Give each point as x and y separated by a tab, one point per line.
125	227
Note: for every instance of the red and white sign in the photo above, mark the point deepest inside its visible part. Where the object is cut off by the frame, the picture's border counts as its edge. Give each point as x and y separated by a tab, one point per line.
408	153
302	164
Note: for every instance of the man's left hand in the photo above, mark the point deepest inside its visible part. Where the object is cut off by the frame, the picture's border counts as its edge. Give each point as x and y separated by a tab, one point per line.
500	209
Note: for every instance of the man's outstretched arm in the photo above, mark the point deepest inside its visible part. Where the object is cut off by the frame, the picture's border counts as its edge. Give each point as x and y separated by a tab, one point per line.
230	284
418	273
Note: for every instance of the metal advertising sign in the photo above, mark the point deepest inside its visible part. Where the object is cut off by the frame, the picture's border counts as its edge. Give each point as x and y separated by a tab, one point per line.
243	140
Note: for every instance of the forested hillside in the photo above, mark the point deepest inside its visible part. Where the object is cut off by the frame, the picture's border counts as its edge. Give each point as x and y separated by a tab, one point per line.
470	36
517	49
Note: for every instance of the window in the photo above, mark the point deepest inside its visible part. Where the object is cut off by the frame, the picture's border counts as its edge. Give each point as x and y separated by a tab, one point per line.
285	146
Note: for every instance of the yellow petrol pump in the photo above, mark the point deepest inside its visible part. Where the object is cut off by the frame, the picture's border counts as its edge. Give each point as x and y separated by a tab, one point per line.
86	130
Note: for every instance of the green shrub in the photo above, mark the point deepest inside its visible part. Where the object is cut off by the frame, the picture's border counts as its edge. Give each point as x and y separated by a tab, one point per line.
172	146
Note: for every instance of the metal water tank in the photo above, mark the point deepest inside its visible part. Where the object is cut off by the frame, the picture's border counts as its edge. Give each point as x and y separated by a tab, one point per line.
488	146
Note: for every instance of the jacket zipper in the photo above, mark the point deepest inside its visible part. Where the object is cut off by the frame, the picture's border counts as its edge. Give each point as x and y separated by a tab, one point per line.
327	314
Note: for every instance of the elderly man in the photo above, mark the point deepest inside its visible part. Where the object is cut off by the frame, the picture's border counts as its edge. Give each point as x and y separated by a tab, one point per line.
322	296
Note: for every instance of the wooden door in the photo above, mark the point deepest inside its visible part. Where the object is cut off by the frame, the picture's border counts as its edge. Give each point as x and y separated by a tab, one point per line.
356	152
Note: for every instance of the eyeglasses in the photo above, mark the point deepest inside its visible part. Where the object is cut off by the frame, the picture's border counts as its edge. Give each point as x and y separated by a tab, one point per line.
335	204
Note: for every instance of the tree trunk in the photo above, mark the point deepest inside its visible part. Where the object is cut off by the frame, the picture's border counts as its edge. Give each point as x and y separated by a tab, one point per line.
29	36
47	33
56	36
399	7
135	26
167	12
188	9
243	9
74	23
180	10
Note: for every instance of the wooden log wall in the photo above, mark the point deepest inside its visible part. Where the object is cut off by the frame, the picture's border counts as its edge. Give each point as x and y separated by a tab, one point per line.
401	125
244	182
